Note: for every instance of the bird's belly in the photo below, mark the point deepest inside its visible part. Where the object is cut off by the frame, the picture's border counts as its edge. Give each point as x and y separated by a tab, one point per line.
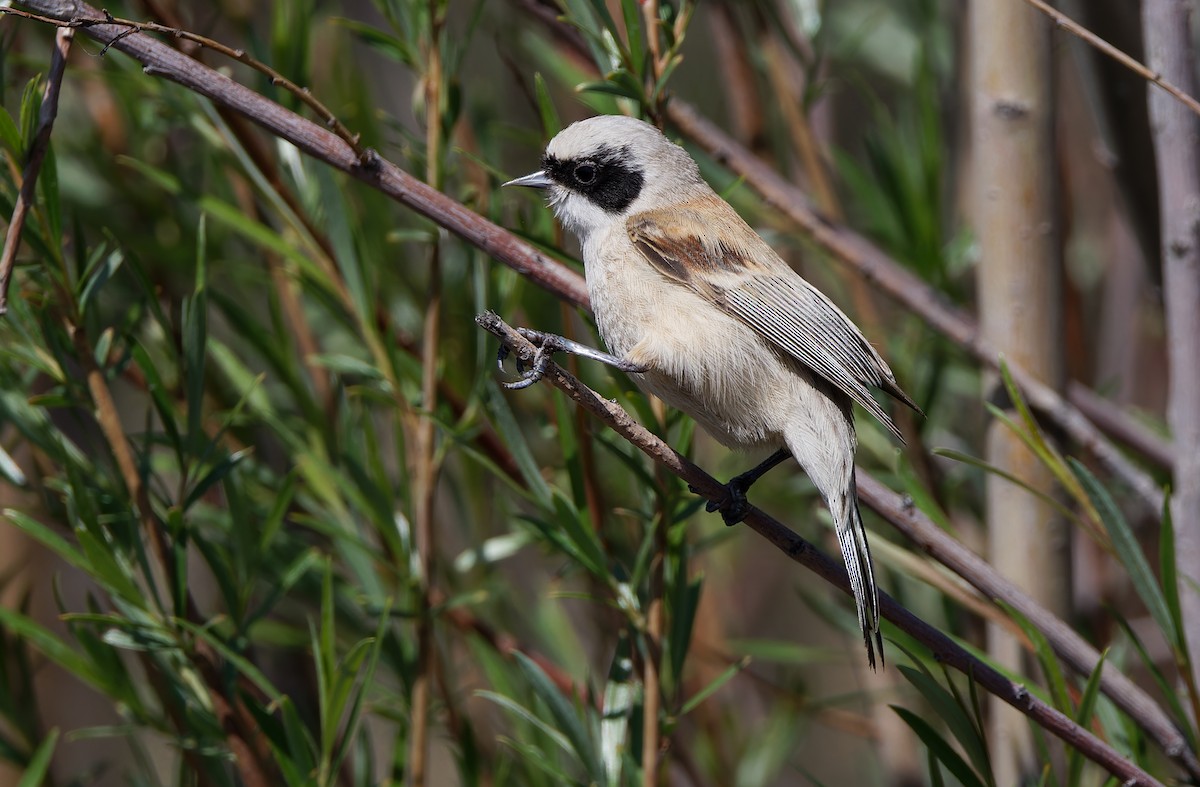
700	359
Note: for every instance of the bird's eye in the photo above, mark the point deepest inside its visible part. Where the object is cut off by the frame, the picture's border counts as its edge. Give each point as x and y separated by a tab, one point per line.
585	173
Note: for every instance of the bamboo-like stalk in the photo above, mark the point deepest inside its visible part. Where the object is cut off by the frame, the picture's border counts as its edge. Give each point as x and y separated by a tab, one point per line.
1019	284
1167	28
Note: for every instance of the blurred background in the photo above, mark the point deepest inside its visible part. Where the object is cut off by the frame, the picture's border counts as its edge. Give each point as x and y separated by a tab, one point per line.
330	548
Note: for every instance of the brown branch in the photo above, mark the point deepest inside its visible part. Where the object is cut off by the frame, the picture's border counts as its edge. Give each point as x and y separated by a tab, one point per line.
27	196
941	646
1121	426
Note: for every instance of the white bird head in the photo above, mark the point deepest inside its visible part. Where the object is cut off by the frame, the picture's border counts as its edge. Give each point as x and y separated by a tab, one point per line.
606	168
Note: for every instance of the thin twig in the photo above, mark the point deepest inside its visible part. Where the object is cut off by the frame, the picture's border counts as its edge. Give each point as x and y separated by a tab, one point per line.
941	646
1121	426
425	448
1093	40
27	196
652	663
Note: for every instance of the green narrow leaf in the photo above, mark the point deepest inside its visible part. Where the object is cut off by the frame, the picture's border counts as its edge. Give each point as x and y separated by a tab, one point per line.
244	666
514	438
47	537
951	711
712	688
48	185
565	717
30	109
939	747
195	346
39	764
974	461
1170	579
524	713
631	15
10	138
49	645
215	474
1128	550
1169	692
577	527
551	123
684	600
1087	706
1046	658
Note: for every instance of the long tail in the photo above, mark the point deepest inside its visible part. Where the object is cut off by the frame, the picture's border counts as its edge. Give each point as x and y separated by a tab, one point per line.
852	536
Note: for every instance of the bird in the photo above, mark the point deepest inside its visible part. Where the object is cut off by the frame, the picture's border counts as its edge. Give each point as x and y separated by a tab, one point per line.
702	313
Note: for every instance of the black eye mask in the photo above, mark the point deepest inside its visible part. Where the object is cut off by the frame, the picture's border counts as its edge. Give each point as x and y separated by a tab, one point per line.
607	177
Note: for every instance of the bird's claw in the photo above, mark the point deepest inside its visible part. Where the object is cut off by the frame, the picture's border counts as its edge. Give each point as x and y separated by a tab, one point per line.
546	347
733	505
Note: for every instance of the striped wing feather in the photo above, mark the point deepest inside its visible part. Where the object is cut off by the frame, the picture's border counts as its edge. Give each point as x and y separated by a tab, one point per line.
710	249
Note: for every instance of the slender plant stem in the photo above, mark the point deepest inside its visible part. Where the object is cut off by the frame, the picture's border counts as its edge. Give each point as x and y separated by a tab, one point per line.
426	447
36	154
652	664
941	646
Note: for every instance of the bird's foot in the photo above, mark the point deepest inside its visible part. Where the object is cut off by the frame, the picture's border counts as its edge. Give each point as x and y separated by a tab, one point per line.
549	343
733	505
546	343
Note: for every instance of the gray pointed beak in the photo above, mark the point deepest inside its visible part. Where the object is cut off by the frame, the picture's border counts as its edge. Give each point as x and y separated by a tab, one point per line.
537	180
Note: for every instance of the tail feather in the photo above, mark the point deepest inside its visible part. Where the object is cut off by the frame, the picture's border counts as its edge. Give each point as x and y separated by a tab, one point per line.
852	537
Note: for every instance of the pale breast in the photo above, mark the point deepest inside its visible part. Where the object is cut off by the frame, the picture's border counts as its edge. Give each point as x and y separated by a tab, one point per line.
702	360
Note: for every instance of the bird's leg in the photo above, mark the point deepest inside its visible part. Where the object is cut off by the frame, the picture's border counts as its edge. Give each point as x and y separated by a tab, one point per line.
547	345
734	506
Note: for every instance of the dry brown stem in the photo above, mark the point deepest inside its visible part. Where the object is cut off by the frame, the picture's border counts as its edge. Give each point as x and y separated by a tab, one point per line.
33	161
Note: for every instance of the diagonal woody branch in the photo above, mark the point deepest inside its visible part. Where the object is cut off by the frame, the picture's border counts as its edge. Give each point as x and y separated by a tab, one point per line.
944	649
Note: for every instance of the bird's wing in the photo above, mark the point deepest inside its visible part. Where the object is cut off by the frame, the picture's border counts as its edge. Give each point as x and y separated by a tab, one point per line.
706	246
